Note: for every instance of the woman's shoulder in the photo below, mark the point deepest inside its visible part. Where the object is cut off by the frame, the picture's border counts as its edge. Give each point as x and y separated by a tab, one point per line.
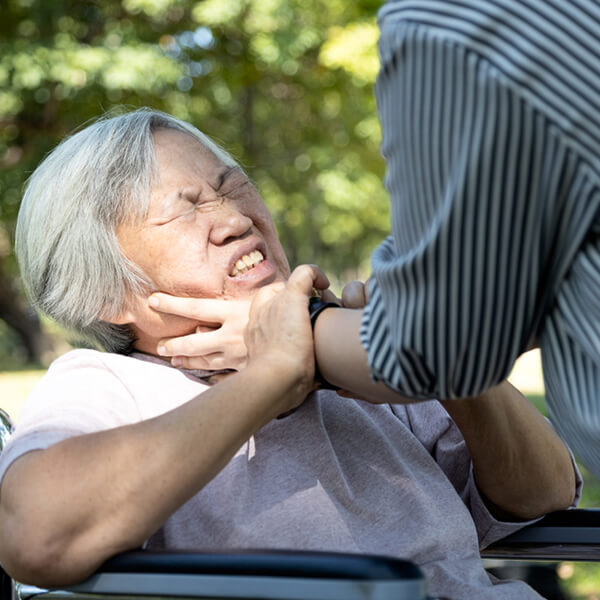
91	361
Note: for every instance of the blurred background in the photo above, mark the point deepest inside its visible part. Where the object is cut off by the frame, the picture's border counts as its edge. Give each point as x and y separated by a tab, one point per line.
285	85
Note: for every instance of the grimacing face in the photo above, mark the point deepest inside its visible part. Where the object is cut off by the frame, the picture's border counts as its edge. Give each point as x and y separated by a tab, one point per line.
207	234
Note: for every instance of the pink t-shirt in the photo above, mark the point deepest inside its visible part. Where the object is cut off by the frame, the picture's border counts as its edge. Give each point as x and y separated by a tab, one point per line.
336	474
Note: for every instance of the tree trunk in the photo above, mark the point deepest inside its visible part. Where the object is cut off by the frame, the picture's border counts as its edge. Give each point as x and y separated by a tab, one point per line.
23	321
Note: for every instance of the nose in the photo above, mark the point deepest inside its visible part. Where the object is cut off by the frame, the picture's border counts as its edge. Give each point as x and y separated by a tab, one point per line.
230	224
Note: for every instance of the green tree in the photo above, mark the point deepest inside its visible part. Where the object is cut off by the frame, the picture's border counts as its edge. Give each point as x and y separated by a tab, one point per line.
285	85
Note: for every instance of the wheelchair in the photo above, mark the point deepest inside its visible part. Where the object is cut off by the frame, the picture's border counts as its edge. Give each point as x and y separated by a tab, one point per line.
572	535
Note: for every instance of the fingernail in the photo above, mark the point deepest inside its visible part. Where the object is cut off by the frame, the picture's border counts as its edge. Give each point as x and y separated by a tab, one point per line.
176	362
153	301
161	349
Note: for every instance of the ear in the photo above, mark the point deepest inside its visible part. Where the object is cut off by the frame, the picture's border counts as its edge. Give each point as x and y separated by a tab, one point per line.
134	307
125	318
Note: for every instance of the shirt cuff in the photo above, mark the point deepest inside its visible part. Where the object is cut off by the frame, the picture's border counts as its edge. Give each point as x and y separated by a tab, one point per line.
489	528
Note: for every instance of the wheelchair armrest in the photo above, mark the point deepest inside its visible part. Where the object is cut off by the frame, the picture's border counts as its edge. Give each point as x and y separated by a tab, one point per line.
282	575
278	563
562	535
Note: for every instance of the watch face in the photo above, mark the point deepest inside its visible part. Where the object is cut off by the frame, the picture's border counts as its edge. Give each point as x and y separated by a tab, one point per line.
314	302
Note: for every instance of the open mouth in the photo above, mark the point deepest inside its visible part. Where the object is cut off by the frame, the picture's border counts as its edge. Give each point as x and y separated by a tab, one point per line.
247	262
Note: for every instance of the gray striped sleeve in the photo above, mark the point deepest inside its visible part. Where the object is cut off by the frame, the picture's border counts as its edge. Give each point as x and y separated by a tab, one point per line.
477	178
570	344
494	191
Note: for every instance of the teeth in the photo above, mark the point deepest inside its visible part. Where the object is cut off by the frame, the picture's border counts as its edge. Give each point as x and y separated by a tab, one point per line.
246	262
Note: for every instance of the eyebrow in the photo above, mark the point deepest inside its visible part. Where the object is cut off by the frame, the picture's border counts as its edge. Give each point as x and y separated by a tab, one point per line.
223	175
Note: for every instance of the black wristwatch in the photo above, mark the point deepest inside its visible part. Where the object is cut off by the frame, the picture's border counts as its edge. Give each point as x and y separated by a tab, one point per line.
315	307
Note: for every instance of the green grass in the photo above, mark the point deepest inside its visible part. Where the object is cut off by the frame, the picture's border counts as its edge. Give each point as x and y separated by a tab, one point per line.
581	581
15	387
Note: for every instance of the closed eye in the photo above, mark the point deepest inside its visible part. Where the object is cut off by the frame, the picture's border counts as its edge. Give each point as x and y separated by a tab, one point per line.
230	181
231	190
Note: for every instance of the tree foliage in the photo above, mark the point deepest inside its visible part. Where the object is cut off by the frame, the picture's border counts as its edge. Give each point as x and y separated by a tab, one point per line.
285	85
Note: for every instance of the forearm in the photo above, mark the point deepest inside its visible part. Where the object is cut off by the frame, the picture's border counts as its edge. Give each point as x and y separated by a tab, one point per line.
521	466
342	360
65	510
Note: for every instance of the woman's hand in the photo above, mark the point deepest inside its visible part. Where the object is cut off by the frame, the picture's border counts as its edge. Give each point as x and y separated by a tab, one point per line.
279	334
216	344
219	342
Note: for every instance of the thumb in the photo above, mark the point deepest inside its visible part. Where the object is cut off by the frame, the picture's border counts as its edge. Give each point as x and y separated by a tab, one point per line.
306	277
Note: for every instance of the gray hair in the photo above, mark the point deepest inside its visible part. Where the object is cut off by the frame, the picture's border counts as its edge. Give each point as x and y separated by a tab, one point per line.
99	178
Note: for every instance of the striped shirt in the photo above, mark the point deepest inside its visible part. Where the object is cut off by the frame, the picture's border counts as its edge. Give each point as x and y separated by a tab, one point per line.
490	113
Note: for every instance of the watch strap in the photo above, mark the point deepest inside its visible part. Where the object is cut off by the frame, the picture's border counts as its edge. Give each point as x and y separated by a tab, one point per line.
315	307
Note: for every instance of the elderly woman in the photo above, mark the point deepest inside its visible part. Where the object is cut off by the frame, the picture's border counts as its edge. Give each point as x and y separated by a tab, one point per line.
118	449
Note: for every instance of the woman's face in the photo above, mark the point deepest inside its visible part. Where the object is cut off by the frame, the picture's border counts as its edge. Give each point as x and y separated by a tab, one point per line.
207	234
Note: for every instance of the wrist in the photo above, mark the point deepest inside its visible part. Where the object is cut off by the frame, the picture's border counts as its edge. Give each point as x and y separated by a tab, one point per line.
315	307
285	382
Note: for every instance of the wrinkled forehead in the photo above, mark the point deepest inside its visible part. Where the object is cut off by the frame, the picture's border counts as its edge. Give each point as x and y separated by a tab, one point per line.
168	142
195	141
182	158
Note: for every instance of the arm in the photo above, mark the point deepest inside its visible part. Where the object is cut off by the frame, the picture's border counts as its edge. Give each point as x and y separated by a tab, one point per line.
65	510
521	466
342	360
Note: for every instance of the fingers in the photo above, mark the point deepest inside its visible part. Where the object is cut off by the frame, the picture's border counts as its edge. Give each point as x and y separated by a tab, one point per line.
192	362
306	277
328	296
208	362
303	280
218	340
194	344
206	310
354	295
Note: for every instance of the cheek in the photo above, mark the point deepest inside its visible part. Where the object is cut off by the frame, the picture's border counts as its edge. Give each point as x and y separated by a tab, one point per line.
150	325
277	251
282	263
264	222
178	266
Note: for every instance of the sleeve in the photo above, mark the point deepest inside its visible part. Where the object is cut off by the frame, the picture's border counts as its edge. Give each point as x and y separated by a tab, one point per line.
571	356
476	174
438	433
78	395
